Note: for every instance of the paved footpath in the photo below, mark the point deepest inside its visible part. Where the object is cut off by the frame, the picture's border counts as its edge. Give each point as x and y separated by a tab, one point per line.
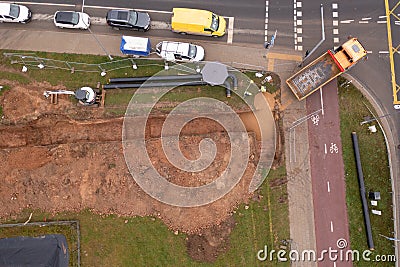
301	210
327	174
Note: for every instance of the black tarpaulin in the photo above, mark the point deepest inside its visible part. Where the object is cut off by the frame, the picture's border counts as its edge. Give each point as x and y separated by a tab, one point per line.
47	250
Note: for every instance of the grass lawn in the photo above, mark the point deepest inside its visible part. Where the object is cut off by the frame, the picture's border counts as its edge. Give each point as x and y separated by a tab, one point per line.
117	68
146	241
373	152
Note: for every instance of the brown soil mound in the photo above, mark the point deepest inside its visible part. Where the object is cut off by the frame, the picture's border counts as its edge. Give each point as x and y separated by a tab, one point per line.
51	160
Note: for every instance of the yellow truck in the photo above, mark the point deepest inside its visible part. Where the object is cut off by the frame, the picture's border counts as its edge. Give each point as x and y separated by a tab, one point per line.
325	68
196	21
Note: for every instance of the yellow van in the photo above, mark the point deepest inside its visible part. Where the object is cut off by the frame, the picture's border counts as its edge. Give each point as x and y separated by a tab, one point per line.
196	21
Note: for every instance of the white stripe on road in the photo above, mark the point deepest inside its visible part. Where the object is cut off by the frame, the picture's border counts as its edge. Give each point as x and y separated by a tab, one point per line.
366	18
44	4
326	150
322	102
331	226
382	17
347	21
42	16
94	7
381	21
363	22
329	187
230	30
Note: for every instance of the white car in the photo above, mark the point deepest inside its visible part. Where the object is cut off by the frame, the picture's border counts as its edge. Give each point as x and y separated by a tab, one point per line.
14	13
72	20
177	51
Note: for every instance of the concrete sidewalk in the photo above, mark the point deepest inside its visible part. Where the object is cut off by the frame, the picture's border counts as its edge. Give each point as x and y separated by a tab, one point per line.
276	59
85	43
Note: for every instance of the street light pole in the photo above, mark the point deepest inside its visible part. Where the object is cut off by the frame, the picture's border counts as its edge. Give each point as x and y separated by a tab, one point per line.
95	37
376	118
323	36
102	47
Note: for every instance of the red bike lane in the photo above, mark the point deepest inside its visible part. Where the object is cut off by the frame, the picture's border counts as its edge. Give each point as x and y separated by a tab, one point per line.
328	178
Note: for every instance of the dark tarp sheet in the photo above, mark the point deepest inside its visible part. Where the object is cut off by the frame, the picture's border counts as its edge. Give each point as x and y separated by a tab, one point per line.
47	250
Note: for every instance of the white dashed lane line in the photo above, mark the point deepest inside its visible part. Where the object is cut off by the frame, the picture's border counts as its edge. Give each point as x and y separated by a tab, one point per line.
298	23
335	23
331	226
266	21
329	187
347	21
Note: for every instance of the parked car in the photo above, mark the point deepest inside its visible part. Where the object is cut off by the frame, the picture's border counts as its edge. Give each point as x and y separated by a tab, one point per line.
72	20
14	13
172	51
128	19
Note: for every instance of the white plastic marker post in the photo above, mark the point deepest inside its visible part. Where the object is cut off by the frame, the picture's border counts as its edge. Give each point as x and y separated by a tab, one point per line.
273	38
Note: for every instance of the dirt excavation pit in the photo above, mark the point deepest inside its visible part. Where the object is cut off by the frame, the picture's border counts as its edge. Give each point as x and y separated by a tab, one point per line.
66	157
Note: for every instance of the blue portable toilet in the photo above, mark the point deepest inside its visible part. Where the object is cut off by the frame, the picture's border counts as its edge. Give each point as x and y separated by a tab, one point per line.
135	46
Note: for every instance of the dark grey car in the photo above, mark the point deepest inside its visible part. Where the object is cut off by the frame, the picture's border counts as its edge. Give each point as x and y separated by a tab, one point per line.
128	19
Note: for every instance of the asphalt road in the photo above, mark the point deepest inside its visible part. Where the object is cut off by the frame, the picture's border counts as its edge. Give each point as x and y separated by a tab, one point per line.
248	20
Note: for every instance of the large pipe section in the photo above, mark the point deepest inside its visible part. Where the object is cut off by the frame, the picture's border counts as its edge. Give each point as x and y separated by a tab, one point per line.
155	78
150	84
362	191
167	81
